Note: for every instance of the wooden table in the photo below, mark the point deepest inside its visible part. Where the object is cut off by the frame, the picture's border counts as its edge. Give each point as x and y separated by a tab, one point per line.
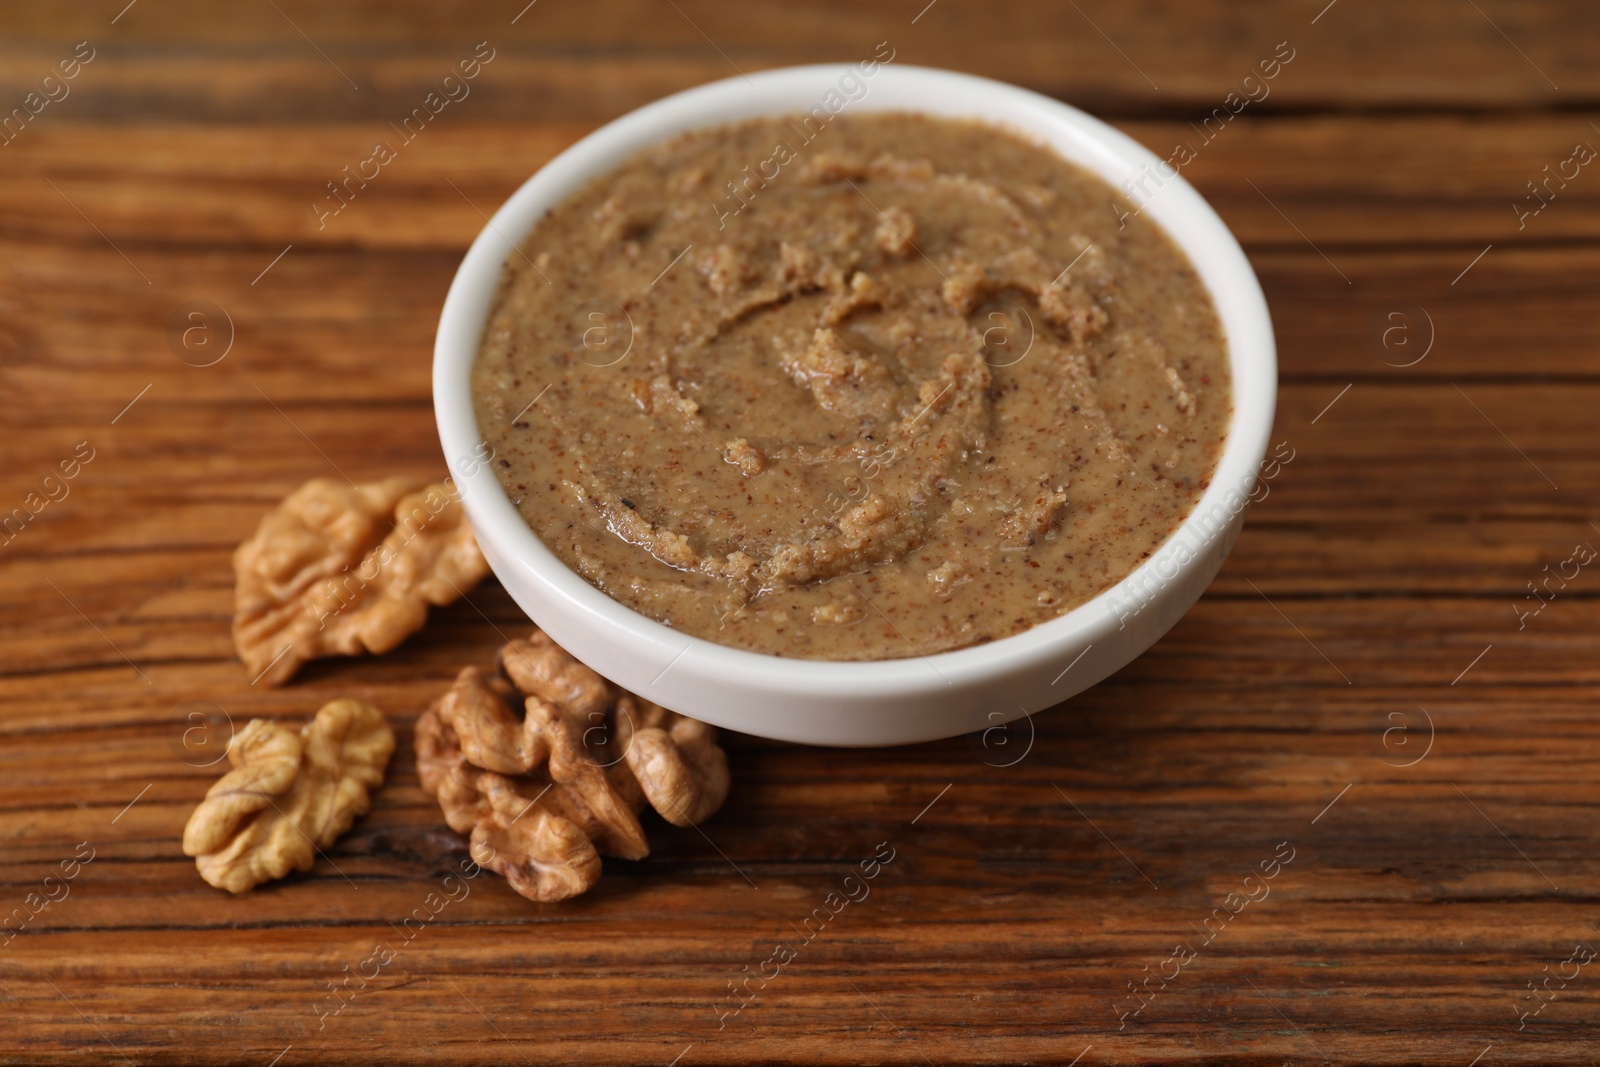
1358	690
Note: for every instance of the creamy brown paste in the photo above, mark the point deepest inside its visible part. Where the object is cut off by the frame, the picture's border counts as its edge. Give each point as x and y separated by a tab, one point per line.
890	387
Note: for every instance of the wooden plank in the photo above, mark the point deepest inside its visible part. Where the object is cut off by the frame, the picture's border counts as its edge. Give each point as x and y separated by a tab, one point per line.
1297	643
1343	181
1434	440
596	60
191	585
82	327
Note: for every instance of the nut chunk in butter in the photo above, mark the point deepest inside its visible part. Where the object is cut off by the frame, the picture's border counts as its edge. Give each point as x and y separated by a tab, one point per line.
288	795
338	569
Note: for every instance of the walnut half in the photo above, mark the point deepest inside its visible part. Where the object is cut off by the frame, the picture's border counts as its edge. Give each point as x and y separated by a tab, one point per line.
528	783
288	796
676	760
338	569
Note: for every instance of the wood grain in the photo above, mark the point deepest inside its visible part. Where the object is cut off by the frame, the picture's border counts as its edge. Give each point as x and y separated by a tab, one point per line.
1358	683
594	60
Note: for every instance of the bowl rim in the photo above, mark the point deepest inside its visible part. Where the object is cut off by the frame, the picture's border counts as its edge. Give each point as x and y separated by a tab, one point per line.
1240	304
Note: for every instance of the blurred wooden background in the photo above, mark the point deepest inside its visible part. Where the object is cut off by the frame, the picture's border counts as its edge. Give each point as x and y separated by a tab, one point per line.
1360	682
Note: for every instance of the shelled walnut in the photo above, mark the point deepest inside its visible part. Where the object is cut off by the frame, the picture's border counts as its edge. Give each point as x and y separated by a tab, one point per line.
337	569
288	795
546	766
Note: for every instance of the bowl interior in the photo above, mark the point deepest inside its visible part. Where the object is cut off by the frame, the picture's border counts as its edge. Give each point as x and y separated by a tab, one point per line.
521	559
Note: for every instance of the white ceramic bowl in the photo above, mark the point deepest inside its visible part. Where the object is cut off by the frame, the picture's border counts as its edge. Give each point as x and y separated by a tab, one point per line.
895	701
